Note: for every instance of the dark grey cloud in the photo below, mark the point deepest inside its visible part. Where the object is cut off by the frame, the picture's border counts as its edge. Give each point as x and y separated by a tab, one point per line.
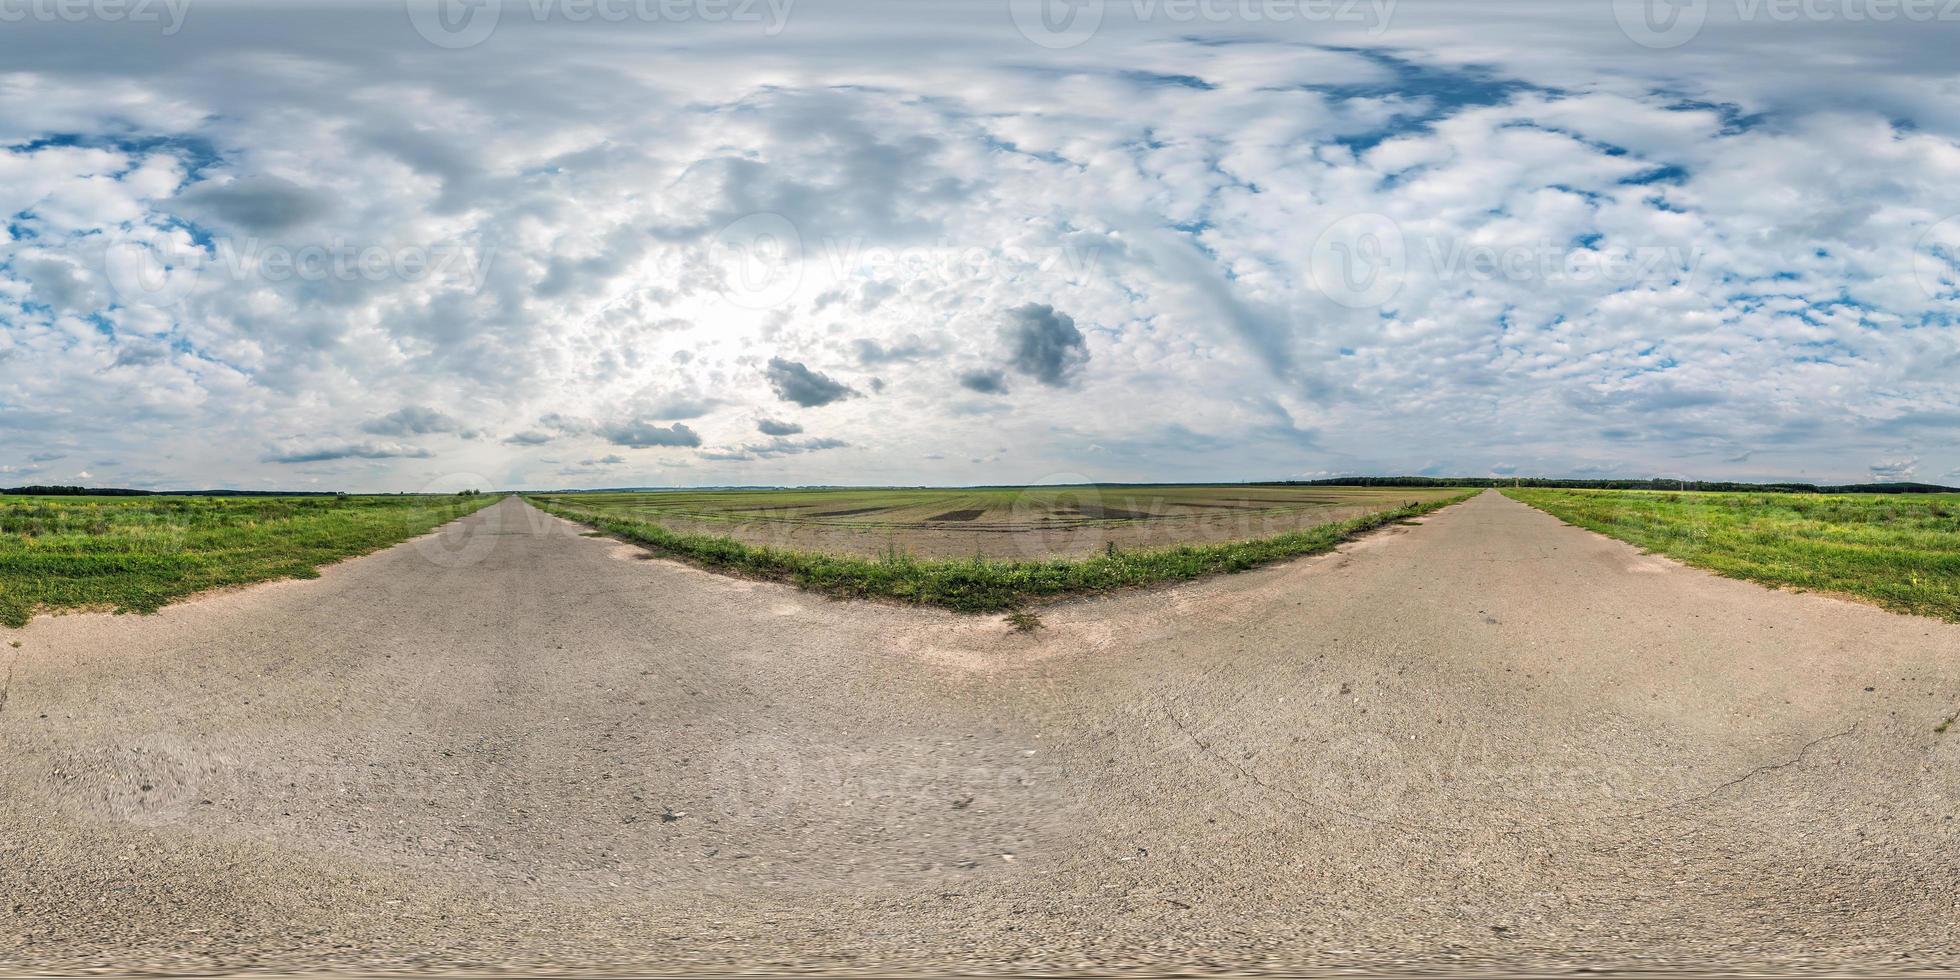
566	274
646	435
1044	344
681	407
775	427
799	385
1645	401
870	296
429	151
989	381
962	409
258	203
853	170
349	450
911	347
138	353
1948	421
59	284
792	447
413	420
1895	470
529	438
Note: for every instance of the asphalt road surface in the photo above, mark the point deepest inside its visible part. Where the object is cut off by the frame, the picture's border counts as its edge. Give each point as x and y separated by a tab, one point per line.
1487	742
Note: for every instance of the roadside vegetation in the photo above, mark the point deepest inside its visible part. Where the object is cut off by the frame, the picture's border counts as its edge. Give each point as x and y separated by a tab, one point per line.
1901	551
978	584
1034	523
134	554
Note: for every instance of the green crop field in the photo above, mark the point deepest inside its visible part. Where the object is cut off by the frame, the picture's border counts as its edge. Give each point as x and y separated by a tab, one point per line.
1079	539
1901	551
134	554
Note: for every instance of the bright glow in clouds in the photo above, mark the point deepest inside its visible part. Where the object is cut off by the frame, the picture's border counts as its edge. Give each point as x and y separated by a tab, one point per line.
357	249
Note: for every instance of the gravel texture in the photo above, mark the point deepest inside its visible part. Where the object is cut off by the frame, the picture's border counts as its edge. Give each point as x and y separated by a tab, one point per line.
1487	742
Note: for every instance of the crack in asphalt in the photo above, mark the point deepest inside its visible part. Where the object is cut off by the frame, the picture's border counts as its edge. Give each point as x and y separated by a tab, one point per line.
1802	753
1250	775
7	686
1208	751
1787	763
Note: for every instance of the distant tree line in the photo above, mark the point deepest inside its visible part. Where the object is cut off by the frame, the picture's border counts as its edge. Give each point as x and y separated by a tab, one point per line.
41	491
73	492
1720	486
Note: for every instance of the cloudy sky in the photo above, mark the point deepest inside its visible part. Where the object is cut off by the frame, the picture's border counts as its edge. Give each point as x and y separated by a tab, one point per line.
583	243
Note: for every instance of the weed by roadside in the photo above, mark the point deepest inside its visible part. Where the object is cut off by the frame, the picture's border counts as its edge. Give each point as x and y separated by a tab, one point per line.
1024	621
983	584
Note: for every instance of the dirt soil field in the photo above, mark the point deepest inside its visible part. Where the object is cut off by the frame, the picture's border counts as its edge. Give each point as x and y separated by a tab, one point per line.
1000	522
1490	741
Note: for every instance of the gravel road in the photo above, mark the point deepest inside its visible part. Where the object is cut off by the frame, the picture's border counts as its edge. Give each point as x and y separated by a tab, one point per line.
1485	742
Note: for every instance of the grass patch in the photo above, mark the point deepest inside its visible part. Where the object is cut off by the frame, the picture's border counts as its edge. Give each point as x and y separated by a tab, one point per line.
1901	551
1024	621
135	554
981	584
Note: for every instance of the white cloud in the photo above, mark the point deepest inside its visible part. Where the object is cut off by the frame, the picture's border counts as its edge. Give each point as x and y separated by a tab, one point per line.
1275	257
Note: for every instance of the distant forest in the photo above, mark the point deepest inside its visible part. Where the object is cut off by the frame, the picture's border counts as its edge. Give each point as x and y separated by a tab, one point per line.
118	492
1710	485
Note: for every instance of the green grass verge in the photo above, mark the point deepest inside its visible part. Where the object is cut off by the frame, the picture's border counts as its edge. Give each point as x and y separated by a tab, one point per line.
134	554
1901	551
983	584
